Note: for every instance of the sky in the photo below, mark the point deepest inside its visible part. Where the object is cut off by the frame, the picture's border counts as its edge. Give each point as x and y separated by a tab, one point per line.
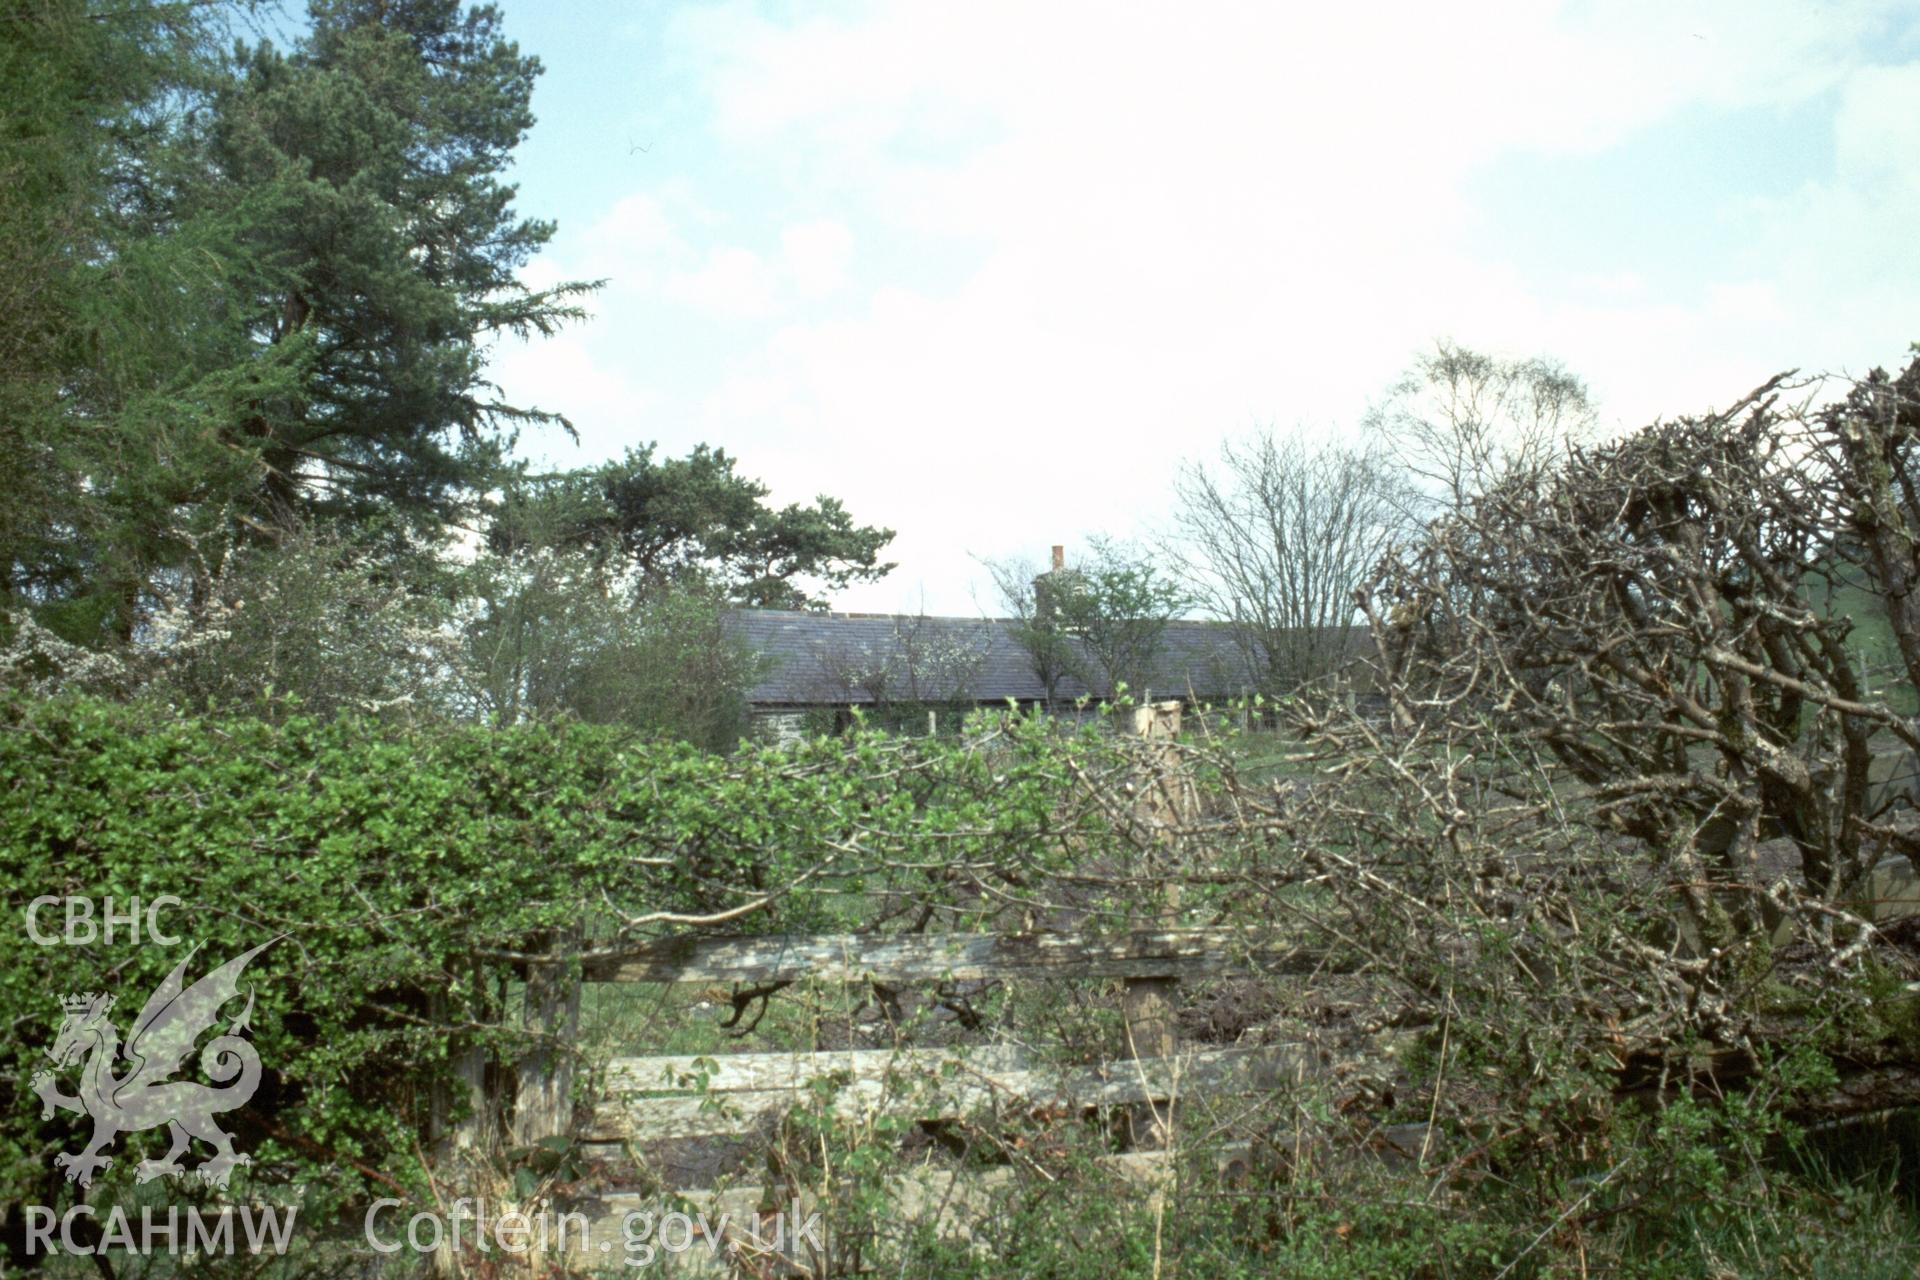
990	273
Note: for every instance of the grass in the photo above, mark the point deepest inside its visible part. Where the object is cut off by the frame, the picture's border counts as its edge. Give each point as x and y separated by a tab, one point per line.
1872	639
649	1019
1264	757
1366	1221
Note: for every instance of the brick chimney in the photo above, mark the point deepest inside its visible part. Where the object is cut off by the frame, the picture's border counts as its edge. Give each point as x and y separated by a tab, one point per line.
1046	584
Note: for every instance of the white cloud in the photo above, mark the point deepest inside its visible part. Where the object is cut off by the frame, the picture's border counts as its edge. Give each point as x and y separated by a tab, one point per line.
1841	251
737	283
1877	128
565	374
731	282
1093	239
632	243
815	256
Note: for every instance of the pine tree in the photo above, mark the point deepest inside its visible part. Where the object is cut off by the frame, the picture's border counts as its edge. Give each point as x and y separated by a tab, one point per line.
107	301
658	523
247	289
386	132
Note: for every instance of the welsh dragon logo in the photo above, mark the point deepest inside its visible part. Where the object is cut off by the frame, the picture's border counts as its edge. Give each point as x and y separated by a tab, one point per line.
143	1097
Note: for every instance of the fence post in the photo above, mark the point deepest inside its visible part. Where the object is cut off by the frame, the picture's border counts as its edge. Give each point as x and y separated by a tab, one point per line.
1149	1002
461	1141
461	1147
474	1131
543	1089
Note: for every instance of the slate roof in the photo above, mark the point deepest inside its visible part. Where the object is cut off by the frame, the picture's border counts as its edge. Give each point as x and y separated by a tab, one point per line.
840	659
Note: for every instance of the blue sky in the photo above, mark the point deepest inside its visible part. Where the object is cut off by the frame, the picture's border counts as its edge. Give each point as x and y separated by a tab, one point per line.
989	272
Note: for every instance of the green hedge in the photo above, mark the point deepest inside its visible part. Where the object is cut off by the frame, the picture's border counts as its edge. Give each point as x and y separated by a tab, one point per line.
403	864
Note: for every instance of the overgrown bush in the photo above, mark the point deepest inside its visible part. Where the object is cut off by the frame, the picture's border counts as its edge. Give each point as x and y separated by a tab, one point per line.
408	871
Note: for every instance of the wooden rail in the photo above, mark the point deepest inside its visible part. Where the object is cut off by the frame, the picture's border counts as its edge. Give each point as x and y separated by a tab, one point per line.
654	1098
651	1099
932	957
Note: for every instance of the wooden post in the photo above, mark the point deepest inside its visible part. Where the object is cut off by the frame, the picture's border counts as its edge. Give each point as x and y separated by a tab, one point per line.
462	1147
933	724
1149	1002
458	1143
543	1089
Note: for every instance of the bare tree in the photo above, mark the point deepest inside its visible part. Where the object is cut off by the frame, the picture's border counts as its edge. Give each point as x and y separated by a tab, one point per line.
1458	419
1101	620
1872	444
332	621
556	632
920	660
1117	603
1657	618
1034	625
1276	538
941	659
